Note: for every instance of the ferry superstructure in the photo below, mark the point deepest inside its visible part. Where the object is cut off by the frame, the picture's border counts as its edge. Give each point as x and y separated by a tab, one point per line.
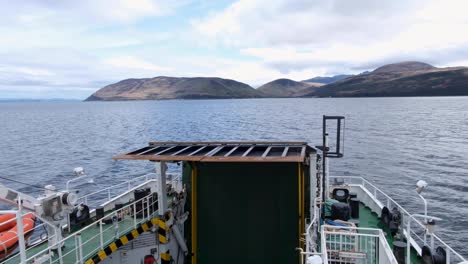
225	202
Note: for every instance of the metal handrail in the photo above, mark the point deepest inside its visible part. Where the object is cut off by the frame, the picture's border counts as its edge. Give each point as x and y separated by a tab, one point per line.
128	184
105	242
44	223
78	233
365	183
107	190
309	227
323	246
370	232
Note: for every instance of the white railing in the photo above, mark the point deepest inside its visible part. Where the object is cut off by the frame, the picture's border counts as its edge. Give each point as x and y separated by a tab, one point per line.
29	237
311	230
95	199
86	242
100	196
355	245
417	231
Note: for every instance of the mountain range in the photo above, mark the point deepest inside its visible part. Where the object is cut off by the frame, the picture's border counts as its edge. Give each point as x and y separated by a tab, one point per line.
399	79
327	80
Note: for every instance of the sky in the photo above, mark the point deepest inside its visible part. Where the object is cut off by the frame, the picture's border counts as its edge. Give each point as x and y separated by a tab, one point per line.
69	49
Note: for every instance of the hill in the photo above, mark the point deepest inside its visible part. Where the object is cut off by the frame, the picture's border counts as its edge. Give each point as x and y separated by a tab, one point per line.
406	66
400	79
285	88
174	88
327	80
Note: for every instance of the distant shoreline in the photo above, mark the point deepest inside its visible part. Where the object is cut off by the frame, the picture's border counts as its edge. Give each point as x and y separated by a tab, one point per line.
3	100
213	99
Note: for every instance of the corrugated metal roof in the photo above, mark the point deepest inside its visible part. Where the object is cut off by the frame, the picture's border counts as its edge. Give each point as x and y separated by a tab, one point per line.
221	152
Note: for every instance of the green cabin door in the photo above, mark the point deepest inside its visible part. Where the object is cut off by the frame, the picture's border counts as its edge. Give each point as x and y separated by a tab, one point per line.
247	213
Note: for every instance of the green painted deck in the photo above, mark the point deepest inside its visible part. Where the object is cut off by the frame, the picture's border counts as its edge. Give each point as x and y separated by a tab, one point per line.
90	241
367	218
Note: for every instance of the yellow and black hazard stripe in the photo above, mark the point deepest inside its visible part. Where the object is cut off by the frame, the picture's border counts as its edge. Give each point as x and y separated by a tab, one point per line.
162	235
162	230
165	257
107	251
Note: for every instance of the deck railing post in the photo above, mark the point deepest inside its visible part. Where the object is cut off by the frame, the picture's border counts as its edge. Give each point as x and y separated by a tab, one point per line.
68	223
77	249
432	241
162	193
108	194
447	249
101	239
19	224
134	215
59	250
50	256
148	207
408	242
80	246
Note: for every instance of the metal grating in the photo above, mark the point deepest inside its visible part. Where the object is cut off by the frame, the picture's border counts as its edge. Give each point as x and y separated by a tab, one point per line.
221	152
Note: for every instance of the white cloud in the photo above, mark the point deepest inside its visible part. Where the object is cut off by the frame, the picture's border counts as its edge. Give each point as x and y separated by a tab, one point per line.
276	22
27	71
88	11
129	10
341	35
256	74
129	62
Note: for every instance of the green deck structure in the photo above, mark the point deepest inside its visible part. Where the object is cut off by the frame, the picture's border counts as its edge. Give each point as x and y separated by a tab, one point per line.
369	219
247	212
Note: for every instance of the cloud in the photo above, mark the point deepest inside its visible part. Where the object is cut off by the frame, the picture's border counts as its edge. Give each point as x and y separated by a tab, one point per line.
88	11
82	45
278	22
129	62
291	36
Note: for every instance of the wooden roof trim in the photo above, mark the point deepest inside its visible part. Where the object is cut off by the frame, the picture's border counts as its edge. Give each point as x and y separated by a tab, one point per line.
210	159
245	152
228	143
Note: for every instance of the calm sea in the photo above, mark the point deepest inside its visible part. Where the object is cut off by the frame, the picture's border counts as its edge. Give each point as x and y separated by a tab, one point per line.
391	141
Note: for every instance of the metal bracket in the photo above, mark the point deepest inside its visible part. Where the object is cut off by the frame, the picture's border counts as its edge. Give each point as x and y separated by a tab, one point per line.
338	151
